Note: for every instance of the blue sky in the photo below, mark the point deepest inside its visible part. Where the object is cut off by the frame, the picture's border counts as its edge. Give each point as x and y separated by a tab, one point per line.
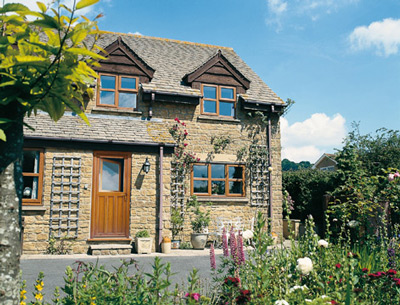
338	59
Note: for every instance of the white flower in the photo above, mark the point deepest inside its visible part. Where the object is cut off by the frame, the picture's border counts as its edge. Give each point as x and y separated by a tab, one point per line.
248	234
308	300
281	302
297	287
353	223
304	265
323	243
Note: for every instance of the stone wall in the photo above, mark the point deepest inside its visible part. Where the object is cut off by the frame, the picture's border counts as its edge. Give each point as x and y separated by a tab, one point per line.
242	132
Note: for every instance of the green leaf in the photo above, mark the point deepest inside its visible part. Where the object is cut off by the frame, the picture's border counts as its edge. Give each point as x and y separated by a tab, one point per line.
47	22
13	7
84	3
78	36
3	135
82	51
41	6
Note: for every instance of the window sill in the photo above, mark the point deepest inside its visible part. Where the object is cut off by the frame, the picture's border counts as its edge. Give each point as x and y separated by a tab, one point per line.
242	200
98	109
35	208
204	117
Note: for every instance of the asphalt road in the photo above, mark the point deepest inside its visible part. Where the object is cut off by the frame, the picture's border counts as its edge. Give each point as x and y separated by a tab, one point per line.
53	268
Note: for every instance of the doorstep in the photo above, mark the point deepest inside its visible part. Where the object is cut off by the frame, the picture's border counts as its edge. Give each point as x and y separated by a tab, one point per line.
110	249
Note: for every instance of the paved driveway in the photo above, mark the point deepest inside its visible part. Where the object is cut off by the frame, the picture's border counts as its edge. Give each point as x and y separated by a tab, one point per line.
53	266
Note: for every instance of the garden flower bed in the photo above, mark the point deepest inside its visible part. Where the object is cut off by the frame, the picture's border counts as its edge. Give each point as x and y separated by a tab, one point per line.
311	271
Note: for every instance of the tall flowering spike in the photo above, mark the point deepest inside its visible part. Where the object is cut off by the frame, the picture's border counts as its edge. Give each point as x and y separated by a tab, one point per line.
241	257
212	257
225	243
233	245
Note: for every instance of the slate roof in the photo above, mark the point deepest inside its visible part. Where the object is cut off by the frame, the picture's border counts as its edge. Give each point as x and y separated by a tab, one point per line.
173	59
108	128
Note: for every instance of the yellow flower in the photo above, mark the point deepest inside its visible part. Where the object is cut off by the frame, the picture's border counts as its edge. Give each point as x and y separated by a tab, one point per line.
84	286
39	287
23	297
92	303
22	303
39	296
93	298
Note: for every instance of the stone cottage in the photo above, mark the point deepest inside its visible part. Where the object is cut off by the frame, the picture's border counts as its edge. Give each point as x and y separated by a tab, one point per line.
99	184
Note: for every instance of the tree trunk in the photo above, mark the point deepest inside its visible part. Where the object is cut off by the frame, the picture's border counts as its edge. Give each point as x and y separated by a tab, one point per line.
11	185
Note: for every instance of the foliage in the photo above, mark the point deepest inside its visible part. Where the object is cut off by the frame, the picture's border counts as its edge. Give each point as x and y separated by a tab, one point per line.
287	204
59	246
290	165
181	158
46	64
177	221
199	219
375	151
307	188
142	234
220	143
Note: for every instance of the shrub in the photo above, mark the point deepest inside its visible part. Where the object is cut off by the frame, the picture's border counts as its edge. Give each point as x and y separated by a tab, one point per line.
142	233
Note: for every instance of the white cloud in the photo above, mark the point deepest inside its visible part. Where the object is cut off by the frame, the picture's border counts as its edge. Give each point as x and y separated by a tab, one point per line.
277	7
280	10
383	36
307	140
136	33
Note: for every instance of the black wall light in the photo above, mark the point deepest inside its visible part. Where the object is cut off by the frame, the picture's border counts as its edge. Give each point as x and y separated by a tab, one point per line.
146	166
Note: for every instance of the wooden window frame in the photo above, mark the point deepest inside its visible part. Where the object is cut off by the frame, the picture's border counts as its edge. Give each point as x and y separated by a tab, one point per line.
210	179
218	99
38	201
117	90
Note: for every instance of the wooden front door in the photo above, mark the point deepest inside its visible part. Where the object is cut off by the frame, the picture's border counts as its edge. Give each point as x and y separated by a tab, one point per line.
111	195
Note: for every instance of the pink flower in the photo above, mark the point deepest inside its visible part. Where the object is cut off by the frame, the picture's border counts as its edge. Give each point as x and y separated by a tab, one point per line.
338	266
194	296
241	257
185	144
396	174
212	257
233	245
177	120
198	159
365	270
391	177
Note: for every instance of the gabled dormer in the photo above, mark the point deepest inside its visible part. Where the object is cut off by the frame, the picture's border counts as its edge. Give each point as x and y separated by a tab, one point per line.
219	82
120	76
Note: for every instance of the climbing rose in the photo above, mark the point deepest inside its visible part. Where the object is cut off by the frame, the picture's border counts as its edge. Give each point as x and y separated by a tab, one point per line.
304	265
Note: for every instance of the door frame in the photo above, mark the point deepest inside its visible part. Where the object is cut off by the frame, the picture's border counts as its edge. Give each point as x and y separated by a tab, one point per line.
126	178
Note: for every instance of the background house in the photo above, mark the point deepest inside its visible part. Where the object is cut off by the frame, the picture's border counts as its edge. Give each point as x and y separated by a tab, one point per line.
89	183
326	163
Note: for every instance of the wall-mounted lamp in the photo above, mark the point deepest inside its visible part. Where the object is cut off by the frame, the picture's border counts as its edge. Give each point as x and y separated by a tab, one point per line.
146	166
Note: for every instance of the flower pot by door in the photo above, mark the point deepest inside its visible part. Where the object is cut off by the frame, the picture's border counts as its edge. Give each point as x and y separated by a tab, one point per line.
175	244
143	244
198	240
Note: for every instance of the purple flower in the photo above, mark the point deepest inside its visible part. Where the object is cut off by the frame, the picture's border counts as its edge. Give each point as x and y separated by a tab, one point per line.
241	257
212	257
225	243
233	245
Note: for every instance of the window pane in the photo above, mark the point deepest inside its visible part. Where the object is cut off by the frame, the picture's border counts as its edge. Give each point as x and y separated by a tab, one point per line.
110	176
218	187
218	171
30	187
128	83
227	93
107	97
210	92
235	172
31	161
210	106
107	82
235	187
200	186
227	109
127	100
200	171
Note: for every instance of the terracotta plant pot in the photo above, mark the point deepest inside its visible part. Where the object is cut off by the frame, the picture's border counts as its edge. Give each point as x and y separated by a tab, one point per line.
198	240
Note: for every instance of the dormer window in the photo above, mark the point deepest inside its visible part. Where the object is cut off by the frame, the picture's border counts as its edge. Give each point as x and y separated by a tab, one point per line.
218	100
118	91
